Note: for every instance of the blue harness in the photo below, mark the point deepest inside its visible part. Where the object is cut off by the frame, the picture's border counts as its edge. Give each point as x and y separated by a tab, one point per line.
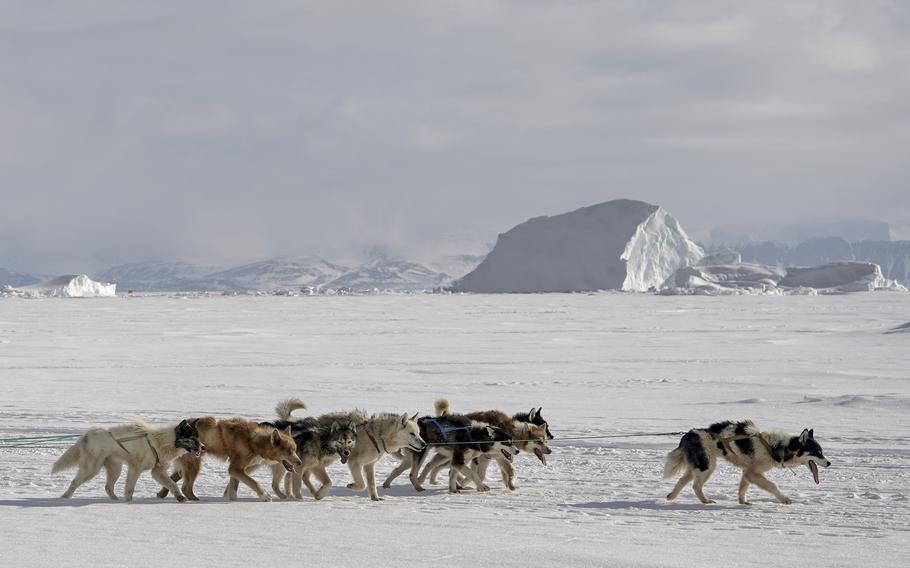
446	429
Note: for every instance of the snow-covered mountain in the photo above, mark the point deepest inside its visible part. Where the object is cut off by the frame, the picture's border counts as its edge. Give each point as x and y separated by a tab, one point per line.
892	256
619	245
276	274
13	278
391	274
282	273
157	276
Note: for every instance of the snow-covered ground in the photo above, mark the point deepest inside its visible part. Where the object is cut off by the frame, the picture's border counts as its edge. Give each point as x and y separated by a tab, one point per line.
602	364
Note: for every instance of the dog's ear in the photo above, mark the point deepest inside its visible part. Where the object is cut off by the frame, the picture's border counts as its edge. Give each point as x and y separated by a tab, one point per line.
288	431
811	434
183	424
415	415
490	432
404	419
805	435
194	422
276	437
531	414
334	427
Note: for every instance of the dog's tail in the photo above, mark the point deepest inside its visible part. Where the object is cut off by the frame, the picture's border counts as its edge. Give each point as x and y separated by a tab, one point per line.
442	407
675	463
286	407
70	457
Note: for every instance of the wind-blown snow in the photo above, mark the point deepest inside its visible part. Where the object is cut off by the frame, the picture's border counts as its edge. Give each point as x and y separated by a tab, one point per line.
618	245
68	286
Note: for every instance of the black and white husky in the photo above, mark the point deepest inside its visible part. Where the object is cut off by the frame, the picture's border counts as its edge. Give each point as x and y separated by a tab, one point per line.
746	447
138	445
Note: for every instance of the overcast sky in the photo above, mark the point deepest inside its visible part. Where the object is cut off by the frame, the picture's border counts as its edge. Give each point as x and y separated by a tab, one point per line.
223	131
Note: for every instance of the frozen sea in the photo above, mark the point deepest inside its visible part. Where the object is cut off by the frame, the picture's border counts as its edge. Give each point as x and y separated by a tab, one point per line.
600	364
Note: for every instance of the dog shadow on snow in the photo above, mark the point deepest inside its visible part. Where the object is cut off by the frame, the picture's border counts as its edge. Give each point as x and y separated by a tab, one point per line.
29	502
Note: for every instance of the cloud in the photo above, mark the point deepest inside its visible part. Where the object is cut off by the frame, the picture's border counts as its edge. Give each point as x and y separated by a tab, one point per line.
226	131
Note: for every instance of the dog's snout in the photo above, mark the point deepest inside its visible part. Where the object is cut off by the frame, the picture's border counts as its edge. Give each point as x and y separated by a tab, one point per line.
827	463
201	447
346	452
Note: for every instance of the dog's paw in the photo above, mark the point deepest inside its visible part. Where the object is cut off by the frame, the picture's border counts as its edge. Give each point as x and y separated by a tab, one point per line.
265	497
356	487
744	502
162	494
786	500
483	487
387	485
376	498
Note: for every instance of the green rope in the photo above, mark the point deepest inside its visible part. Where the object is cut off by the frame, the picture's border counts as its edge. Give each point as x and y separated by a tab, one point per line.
37	441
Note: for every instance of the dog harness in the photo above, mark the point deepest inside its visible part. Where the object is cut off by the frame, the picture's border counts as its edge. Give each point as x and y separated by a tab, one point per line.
366	429
446	429
137	437
779	455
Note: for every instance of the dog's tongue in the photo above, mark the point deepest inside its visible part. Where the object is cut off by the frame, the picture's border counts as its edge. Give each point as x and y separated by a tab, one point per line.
344	459
814	469
540	455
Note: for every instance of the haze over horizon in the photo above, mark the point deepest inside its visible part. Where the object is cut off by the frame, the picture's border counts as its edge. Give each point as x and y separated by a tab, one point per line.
230	132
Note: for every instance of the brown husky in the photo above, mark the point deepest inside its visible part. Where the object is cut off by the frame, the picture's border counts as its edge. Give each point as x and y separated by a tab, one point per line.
244	444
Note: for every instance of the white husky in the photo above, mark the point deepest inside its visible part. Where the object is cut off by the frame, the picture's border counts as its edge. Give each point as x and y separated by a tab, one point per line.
138	445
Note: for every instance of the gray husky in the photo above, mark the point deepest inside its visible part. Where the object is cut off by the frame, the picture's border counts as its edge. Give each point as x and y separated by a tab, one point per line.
746	447
320	441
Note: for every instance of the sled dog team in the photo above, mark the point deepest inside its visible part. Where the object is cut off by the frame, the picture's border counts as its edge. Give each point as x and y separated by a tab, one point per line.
297	449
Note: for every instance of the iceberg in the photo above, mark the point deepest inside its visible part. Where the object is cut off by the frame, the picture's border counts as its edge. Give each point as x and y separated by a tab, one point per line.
751	278
67	286
617	245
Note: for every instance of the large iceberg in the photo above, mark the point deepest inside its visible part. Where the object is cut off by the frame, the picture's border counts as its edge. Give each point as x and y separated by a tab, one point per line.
618	245
68	286
746	278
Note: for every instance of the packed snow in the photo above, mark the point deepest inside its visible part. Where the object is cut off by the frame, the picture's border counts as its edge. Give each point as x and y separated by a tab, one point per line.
833	278
616	245
600	365
68	286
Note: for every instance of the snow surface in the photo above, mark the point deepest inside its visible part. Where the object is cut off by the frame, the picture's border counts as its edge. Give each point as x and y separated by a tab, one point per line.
833	278
67	286
616	245
599	364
